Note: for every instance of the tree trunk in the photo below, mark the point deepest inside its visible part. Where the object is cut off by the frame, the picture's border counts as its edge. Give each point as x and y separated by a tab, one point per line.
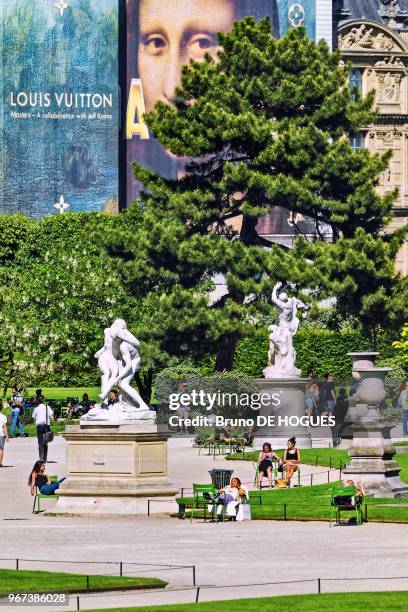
226	352
145	384
228	343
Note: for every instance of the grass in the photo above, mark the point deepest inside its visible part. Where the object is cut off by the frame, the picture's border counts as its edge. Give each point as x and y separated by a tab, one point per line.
56	427
327	602
56	394
61	393
324	457
313	504
312	456
24	581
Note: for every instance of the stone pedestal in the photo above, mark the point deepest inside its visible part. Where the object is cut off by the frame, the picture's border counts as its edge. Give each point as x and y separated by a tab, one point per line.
113	470
287	400
372	461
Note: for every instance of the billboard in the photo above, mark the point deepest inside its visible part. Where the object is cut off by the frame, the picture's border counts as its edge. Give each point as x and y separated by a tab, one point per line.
162	35
59	123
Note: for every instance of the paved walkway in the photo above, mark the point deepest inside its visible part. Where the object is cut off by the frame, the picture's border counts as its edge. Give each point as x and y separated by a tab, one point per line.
224	554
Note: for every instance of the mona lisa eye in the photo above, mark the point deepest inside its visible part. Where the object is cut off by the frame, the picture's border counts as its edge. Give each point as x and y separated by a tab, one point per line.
152	44
201	42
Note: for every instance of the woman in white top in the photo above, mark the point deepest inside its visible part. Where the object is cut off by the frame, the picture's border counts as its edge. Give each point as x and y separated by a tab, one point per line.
231	496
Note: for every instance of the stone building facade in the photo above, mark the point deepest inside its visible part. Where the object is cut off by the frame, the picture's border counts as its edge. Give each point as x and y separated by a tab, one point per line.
373	36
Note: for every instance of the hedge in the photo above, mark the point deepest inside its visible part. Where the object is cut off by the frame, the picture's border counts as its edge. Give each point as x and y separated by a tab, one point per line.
320	350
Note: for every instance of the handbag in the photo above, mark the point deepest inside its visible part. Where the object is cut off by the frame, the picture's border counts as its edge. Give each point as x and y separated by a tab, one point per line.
48	436
244	512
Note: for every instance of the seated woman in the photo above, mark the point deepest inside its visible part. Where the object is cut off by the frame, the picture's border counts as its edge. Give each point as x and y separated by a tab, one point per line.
230	497
38	478
359	489
291	460
266	456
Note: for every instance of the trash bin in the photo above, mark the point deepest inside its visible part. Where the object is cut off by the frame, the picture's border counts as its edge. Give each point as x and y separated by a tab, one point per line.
220	478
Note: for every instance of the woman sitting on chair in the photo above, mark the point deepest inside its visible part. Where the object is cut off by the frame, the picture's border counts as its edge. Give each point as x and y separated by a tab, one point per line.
291	460
38	478
266	456
230	497
360	491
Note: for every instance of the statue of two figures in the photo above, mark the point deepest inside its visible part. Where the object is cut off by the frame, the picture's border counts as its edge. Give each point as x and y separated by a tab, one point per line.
282	354
118	361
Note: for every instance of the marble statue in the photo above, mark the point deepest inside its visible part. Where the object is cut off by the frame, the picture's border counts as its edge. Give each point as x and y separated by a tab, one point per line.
118	361
282	355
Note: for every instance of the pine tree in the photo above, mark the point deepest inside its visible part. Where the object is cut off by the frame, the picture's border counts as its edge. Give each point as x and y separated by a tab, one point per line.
265	125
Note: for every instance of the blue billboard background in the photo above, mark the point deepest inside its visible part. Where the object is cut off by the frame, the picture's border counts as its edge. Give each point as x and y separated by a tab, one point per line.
59	121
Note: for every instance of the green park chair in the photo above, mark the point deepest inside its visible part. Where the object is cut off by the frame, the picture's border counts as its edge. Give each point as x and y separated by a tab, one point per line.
38	496
274	472
201	502
346	499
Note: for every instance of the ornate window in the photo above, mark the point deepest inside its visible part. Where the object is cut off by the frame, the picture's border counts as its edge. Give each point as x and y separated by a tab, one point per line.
356	82
357	140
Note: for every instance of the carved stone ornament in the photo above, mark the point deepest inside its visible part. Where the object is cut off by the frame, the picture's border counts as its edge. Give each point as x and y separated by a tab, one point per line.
387	136
364	37
389	86
390	63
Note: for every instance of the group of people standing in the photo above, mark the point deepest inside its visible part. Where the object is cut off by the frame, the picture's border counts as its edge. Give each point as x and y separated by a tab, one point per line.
42	415
321	399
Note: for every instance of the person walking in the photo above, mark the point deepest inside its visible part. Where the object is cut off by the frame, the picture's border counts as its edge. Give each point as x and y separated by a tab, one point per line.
328	395
16	405
3	433
42	416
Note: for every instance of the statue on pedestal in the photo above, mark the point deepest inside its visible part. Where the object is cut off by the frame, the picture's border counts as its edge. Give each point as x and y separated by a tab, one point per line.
282	355
118	361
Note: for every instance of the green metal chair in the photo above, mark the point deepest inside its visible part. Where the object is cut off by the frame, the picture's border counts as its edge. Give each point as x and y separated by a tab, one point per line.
274	472
201	502
297	475
38	496
346	499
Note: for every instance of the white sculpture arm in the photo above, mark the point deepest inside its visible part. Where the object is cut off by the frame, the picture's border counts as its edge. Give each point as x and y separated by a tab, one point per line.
125	335
275	298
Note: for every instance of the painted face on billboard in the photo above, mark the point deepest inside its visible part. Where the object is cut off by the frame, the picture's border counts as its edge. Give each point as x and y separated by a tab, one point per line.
171	32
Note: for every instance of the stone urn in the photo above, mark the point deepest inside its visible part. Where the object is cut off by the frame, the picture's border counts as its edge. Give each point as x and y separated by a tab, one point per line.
371	389
371	450
362	360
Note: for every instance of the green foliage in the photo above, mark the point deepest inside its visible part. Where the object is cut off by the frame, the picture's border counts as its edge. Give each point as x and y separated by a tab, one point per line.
318	349
228	387
393	386
251	355
168	380
266	126
57	298
402	345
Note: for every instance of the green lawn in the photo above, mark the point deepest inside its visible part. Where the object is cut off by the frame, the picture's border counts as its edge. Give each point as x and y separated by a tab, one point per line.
313	504
61	393
56	426
22	581
57	394
327	602
311	456
324	457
